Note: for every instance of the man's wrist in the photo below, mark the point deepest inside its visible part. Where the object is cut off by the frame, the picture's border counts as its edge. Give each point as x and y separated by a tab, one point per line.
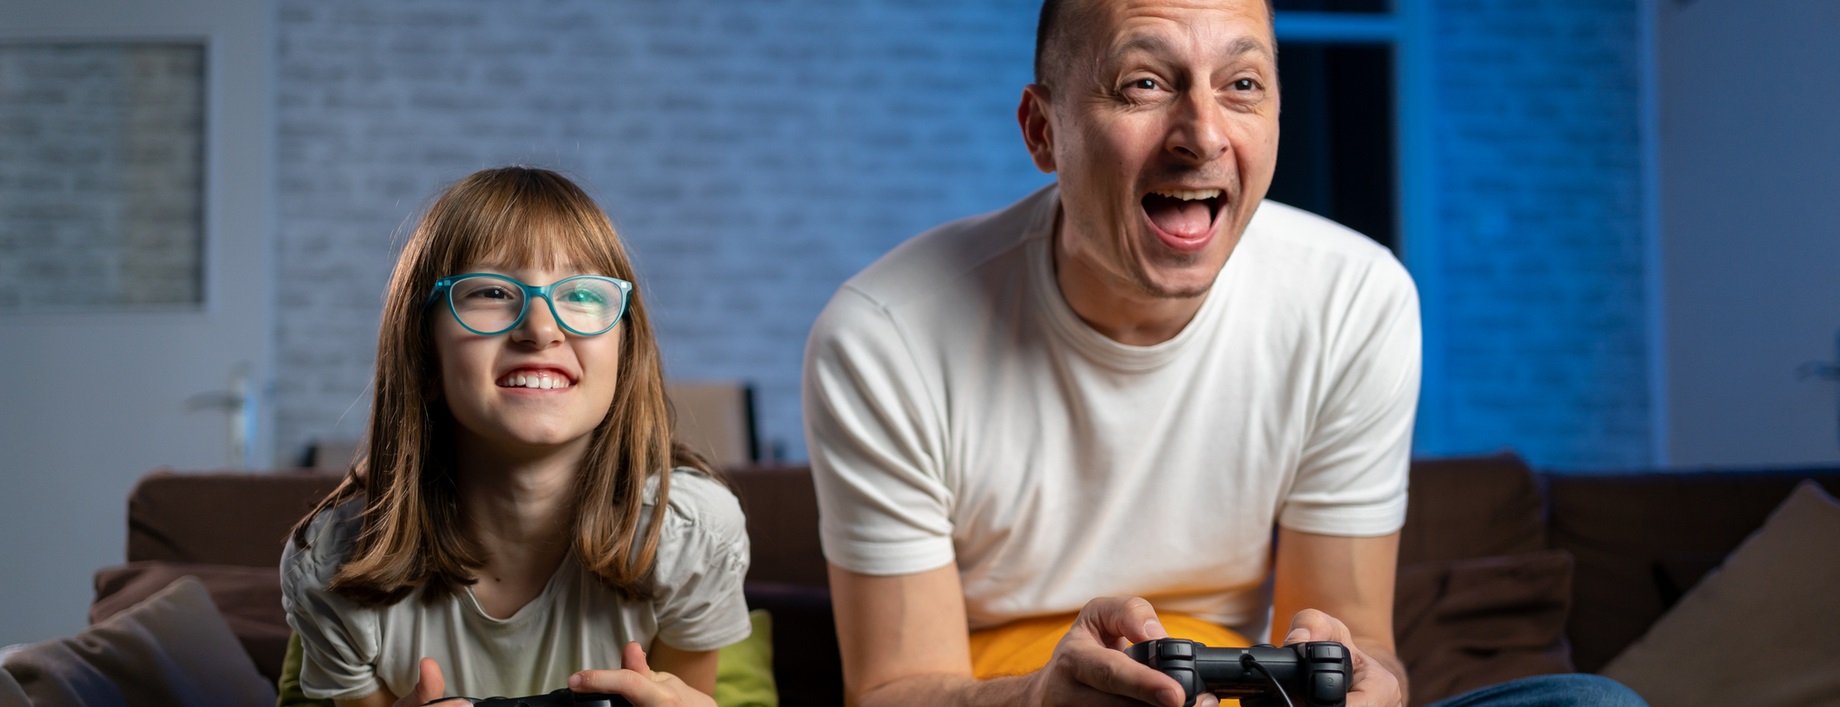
1390	662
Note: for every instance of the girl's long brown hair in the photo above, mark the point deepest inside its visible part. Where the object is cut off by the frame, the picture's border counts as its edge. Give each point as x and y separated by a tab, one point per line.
413	533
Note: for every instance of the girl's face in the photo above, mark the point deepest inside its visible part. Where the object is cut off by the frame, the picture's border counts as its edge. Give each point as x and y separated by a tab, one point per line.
532	389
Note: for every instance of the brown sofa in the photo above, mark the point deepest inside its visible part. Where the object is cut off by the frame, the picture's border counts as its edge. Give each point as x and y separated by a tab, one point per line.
1503	572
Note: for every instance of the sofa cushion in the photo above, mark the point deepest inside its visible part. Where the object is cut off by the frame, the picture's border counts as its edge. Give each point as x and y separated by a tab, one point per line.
171	649
1469	623
1638	537
1471	507
1759	630
247	598
222	518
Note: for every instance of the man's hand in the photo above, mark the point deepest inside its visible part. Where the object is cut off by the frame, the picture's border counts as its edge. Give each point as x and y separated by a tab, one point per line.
638	683
1089	666
1374	683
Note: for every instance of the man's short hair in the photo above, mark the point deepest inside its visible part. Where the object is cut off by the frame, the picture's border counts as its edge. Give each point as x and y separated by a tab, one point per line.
1055	24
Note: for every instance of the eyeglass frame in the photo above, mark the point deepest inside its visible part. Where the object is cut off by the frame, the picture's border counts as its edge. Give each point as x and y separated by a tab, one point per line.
444	286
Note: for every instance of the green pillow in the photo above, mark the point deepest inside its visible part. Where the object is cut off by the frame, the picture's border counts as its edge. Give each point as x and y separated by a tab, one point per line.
289	687
744	671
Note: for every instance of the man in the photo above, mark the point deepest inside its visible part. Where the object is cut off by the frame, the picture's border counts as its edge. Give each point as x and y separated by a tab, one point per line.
1118	386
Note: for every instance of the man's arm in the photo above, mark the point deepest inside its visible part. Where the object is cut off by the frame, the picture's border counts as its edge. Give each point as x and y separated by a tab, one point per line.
905	641
1325	580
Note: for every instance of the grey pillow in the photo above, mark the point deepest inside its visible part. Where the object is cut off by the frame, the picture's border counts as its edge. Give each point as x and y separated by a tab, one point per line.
1761	629
172	649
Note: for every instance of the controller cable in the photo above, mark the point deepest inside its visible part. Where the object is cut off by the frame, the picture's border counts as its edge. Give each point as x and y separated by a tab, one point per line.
1247	662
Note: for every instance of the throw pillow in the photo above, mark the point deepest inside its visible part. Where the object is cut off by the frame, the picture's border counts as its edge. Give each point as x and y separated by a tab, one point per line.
1471	623
248	598
744	671
172	649
1759	630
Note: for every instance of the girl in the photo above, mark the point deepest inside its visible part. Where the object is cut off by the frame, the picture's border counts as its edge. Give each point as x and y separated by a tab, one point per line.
522	520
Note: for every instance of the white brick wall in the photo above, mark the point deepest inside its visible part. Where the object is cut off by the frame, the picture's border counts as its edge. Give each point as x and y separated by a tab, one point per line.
754	154
101	169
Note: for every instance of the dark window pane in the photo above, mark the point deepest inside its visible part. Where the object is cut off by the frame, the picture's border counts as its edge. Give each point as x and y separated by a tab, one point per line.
1335	153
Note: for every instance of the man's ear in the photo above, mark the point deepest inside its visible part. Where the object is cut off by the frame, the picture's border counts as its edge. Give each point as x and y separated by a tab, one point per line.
1033	114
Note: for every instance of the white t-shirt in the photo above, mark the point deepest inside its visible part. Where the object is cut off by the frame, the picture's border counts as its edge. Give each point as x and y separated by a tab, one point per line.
574	624
957	410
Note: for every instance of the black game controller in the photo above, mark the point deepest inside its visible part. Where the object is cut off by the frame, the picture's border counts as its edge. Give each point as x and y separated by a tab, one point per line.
1315	674
557	698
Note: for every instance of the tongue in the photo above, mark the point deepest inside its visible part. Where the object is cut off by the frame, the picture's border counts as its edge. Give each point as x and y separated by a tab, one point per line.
1182	219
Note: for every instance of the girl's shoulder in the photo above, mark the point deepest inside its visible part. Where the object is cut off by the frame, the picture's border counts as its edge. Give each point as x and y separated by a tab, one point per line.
703	507
330	537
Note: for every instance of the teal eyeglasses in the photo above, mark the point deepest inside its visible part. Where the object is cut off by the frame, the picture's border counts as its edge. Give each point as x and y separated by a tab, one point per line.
488	304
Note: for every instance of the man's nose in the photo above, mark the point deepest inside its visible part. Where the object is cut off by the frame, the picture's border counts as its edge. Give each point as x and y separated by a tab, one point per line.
539	327
1199	134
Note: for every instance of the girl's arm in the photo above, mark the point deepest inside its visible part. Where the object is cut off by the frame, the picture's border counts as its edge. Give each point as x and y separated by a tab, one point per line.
696	668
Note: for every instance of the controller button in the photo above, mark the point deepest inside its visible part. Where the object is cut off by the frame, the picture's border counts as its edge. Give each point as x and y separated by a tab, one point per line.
1175	649
1327	687
1328	652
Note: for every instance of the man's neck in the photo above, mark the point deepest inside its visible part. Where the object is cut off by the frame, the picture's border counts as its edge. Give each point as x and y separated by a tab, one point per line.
1111	303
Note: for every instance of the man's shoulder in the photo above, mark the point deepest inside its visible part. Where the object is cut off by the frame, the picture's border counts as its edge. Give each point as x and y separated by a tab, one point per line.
1303	245
932	262
1287	226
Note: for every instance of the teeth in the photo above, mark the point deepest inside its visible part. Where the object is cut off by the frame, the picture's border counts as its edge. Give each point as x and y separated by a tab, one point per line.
534	381
1189	194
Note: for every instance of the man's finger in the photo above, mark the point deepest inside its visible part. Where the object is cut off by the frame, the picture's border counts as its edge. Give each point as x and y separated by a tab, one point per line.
1114	673
1312	625
1130	618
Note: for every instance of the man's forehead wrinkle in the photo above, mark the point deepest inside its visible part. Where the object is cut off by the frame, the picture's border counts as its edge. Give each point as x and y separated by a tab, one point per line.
1157	45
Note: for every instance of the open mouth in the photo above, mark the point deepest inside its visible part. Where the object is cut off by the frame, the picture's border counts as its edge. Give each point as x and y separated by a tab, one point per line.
1185	217
535	379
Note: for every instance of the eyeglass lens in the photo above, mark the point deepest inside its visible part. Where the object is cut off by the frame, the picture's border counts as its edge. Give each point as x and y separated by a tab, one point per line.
490	304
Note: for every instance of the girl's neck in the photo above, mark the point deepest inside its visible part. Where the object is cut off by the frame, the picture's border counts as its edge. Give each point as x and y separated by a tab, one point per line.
518	504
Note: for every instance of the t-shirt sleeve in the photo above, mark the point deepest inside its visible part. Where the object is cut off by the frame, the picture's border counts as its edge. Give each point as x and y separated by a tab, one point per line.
871	428
1351	478
702	562
338	638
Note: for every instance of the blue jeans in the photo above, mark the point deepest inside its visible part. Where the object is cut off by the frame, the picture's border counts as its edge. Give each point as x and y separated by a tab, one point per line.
1549	691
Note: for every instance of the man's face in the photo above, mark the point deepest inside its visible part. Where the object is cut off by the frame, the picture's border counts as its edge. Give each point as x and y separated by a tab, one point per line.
1163	127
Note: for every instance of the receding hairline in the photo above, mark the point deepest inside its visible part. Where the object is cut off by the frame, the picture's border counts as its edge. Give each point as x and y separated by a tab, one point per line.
1059	17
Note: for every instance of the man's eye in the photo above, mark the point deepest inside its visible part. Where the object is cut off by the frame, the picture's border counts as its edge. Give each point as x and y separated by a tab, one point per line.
1245	85
1143	85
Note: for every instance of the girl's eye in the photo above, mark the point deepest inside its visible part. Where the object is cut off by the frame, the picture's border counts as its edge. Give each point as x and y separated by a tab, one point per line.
584	296
489	292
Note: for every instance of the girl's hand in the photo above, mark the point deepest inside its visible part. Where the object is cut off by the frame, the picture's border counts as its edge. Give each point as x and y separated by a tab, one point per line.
638	683
429	686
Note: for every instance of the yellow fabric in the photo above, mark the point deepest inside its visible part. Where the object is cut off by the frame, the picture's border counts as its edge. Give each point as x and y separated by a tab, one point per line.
1024	646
